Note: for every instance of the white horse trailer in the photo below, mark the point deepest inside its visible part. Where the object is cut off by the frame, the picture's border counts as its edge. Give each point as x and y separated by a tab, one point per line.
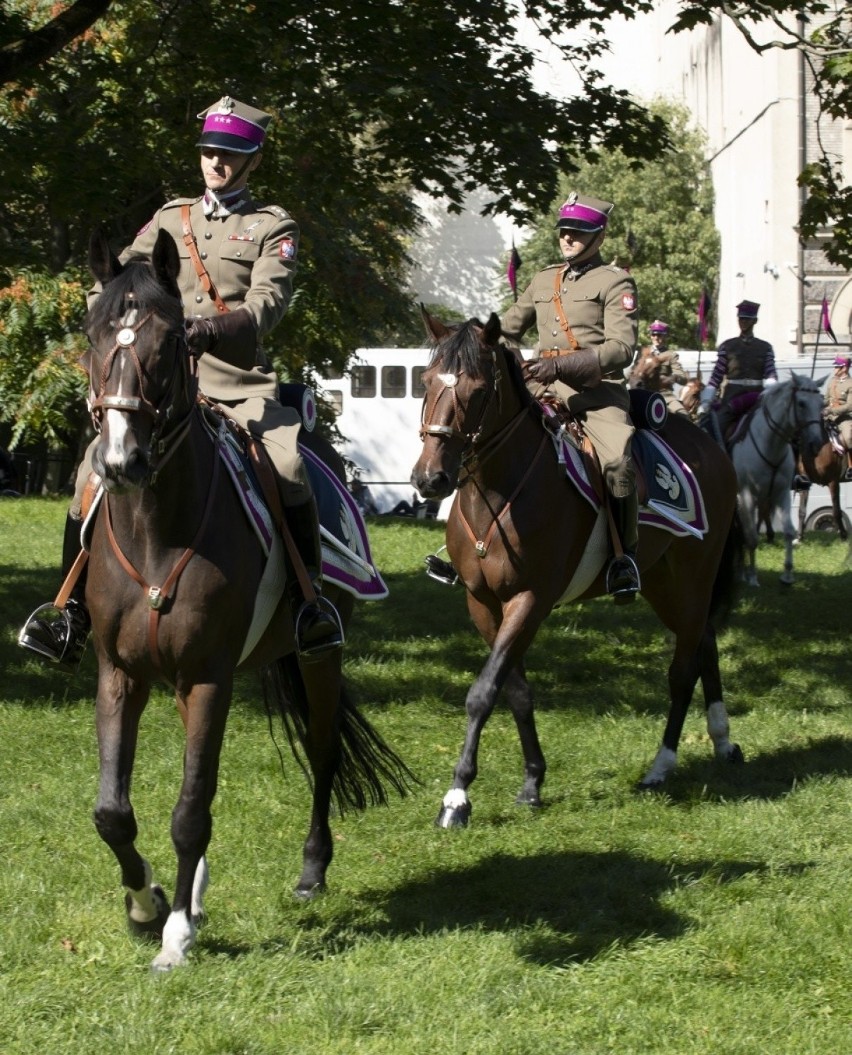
377	406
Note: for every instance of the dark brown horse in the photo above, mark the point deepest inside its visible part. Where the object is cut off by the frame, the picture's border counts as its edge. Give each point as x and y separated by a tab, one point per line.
826	467
647	374
171	523
523	539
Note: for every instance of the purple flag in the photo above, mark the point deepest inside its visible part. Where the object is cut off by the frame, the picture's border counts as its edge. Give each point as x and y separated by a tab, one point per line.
825	321
512	269
704	305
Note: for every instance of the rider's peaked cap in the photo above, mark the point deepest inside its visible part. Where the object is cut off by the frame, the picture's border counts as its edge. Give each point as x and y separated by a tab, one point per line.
842	360
233	126
747	309
658	326
579	212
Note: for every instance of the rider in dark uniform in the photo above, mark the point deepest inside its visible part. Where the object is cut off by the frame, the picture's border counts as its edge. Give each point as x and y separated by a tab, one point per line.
744	366
248	250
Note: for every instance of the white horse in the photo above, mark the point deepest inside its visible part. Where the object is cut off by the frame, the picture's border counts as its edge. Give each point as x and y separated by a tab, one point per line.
764	461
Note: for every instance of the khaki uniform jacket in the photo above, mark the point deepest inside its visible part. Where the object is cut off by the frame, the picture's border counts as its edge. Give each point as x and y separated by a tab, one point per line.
838	399
601	306
250	256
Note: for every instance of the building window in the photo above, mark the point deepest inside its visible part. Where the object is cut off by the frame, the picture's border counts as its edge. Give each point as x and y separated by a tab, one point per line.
393	382
418	389
363	382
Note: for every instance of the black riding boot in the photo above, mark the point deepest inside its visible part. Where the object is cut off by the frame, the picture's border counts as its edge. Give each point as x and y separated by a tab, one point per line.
622	575
60	635
317	623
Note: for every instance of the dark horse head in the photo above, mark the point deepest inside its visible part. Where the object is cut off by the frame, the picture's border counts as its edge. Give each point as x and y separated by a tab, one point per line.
137	361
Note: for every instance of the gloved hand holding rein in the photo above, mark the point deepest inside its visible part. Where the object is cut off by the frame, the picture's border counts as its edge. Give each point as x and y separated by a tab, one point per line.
580	369
231	336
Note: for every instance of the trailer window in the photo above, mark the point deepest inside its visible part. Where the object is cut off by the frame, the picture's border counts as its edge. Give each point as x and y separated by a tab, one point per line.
334	397
418	389
364	382
393	382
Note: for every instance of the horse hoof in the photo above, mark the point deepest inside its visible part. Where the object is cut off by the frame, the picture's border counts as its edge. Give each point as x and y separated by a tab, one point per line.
162	964
735	755
528	798
308	893
453	816
151	930
650	785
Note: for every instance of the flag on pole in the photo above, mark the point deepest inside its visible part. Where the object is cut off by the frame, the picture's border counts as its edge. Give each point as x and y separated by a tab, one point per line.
704	305
825	321
512	270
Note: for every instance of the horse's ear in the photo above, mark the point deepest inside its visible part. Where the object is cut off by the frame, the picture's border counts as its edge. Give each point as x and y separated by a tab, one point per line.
103	263
492	331
165	260
434	327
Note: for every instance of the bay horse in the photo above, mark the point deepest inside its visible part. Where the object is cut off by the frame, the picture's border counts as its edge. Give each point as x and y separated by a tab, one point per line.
826	466
167	518
523	539
646	374
763	458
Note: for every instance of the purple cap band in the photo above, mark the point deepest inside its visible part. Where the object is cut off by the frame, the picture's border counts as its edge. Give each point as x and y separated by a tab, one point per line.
583	212
232	125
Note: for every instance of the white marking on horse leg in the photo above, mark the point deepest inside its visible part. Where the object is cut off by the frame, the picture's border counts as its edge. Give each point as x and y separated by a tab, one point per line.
144	903
456	798
664	764
718	729
199	886
178	939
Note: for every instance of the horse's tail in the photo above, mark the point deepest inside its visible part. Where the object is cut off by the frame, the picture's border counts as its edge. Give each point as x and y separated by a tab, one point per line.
368	766
729	574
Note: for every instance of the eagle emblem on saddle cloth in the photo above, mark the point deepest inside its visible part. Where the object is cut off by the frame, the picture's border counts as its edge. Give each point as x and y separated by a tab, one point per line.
670	498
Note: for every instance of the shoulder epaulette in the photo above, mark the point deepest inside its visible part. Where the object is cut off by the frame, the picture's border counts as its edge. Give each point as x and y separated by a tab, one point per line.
276	210
181	201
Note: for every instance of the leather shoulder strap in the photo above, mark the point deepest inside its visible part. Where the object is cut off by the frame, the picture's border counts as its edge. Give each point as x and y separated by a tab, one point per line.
200	269
573	343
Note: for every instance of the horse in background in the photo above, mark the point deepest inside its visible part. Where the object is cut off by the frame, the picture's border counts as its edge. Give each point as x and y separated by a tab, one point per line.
170	522
762	453
827	467
647	373
524	539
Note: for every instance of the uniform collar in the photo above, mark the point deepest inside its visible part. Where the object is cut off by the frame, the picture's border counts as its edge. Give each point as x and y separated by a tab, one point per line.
570	272
218	206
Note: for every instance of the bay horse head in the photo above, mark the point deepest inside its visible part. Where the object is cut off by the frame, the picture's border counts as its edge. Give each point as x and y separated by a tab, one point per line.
141	380
473	389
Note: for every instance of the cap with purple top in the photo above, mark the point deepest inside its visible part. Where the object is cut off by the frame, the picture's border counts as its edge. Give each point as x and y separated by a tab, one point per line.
658	326
233	126
582	213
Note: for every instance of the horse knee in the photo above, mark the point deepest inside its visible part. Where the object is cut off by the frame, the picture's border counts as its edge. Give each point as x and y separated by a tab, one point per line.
192	827
116	825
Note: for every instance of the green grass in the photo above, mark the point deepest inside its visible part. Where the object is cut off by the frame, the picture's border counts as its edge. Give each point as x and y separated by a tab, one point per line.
712	918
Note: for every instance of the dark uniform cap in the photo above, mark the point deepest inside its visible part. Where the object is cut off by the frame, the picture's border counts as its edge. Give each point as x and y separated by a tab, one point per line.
233	126
658	326
747	309
582	213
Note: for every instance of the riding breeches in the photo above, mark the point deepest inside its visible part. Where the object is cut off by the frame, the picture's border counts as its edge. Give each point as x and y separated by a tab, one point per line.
606	421
277	428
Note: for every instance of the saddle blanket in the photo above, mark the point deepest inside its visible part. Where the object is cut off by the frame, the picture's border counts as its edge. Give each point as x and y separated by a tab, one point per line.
674	502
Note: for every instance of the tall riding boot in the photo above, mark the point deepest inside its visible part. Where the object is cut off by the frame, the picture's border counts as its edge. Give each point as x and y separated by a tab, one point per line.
622	575
316	622
60	635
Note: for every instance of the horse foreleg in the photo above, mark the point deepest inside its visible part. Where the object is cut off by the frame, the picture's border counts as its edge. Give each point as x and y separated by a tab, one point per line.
785	519
509	635
119	707
519	698
683	676
206	712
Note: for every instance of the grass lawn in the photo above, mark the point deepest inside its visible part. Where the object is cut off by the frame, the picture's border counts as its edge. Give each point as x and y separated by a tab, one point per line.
711	918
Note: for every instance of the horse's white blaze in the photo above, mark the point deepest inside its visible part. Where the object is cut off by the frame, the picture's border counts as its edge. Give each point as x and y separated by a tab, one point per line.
178	939
456	798
118	429
199	886
718	728
664	764
144	904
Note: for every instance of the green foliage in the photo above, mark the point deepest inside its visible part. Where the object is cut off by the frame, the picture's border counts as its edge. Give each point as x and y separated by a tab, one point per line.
710	918
42	387
661	227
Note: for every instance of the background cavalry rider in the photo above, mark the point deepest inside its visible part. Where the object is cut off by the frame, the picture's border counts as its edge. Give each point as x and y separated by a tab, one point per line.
249	252
838	406
745	364
586	315
670	372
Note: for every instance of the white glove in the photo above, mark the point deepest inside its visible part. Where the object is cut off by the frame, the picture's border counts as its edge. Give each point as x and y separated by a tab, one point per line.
707	396
769	381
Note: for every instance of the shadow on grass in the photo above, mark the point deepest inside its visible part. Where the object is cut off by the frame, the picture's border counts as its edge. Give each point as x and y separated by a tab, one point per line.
562	908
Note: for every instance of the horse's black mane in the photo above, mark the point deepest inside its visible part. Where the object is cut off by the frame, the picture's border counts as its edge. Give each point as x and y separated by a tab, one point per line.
137	278
462	352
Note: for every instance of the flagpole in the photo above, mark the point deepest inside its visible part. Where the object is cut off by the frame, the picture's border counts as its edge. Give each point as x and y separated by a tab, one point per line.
816	348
